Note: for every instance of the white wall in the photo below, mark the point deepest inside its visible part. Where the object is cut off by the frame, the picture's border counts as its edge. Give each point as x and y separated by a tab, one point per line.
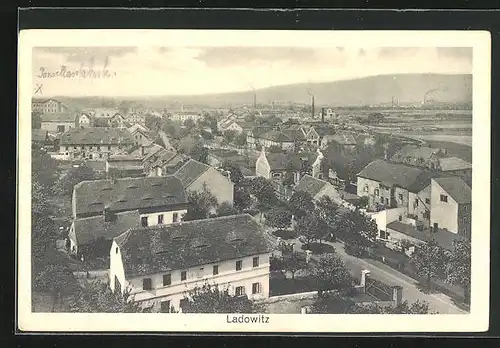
445	214
116	268
219	185
178	289
167	217
51	127
420	208
262	167
385	217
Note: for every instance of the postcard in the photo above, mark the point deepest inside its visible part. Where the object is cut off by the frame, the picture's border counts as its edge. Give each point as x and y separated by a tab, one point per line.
253	181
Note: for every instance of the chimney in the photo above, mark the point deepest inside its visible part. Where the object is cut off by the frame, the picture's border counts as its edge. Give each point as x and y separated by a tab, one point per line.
254	100
397	295
312	106
323	115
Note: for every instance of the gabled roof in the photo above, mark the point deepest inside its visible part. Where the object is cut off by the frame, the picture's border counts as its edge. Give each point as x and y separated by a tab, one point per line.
276	136
105	112
408	177
39	135
453	163
96	136
89	229
456	188
100	121
323	130
187	244
282	161
153	149
128	194
344	138
259	130
412	153
294	134
191	171
165	157
310	185
59	117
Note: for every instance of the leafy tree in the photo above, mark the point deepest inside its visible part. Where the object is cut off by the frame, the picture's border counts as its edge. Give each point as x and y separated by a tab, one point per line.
274	149
358	232
230	136
210	299
311	227
289	179
236	176
153	122
226	209
428	261
263	191
458	264
65	184
294	263
39	202
331	273
171	128
279	218
276	264
36	120
189	124
250	117
43	235
97	297
56	279
300	204
199	153
241	199
201	204
362	202
43	168
241	140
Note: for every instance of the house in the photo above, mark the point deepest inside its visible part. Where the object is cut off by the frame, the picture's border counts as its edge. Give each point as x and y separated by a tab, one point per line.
457	167
451	205
158	200
140	136
317	133
122	166
341	142
217	157
278	139
40	137
105	113
253	136
182	116
277	166
295	134
84	120
318	188
197	176
233	125
58	122
94	143
328	114
388	185
48	106
168	162
420	156
157	266
137	126
163	140
136	118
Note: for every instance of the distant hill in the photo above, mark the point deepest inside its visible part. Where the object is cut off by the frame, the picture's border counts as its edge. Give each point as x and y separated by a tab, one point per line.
357	92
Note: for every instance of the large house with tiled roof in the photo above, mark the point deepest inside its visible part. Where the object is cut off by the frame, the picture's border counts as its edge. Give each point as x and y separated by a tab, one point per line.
318	188
48	106
58	122
111	203
316	134
197	176
278	139
342	142
94	143
158	265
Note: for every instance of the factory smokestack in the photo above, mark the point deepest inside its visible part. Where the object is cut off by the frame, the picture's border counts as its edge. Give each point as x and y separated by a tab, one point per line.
323	115
312	106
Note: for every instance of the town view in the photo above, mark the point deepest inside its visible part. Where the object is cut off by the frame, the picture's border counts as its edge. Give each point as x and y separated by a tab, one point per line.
279	193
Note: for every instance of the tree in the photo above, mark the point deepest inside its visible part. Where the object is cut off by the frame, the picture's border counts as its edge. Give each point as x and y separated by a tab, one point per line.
39	202
153	122
97	297
36	120
65	184
331	273
358	232
428	261
279	218
56	279
226	209
300	204
235	172
199	153
241	140
229	136
263	191
458	264
171	128
311	227
189	124
43	235
250	117
242	199
362	202
274	149
201	204
210	299
43	168
294	263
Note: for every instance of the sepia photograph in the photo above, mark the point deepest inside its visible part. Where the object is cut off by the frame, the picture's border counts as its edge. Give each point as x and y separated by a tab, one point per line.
253	176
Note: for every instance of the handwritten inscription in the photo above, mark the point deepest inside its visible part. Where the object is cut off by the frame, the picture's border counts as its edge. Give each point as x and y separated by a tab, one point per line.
38	89
85	72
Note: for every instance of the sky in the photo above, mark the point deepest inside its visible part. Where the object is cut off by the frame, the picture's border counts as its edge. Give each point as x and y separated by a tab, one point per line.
149	71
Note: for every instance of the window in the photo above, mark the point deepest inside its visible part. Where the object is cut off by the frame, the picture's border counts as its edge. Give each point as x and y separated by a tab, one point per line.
109	147
183	276
98	148
74	147
416	202
146	284
116	250
382	200
400	197
256	261
90	156
383	234
165	306
444	198
100	155
427	201
426	215
175	217
400	218
144	221
239	265
215	270
239	291
387	201
376	192
183	303
167	279
276	175
200	272
160	219
256	288
91	147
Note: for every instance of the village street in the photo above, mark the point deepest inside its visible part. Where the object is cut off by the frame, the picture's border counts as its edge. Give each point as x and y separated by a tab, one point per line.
437	302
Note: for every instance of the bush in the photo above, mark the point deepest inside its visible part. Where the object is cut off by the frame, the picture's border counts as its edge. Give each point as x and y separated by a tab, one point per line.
285	234
318	248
